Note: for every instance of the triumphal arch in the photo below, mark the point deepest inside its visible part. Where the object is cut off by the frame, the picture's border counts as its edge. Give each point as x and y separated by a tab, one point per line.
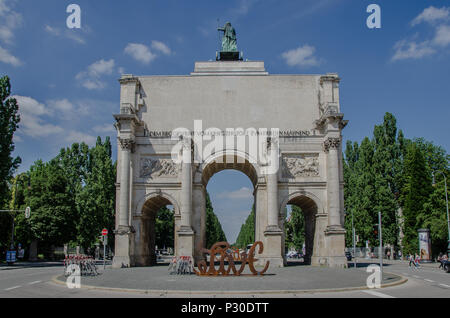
282	131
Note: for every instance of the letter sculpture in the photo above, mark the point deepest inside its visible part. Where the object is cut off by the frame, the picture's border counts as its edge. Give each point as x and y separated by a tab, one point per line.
223	248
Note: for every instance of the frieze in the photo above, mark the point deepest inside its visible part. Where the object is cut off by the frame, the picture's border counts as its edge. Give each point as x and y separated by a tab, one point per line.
302	165
158	167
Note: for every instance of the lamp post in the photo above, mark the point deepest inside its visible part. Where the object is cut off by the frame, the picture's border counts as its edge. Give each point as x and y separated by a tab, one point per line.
354	247
446	200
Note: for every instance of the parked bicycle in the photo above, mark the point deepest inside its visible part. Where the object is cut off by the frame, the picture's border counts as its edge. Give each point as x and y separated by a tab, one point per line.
86	265
182	265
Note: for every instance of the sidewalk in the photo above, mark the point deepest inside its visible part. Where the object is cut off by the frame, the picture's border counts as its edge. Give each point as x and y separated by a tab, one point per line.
386	261
26	264
290	279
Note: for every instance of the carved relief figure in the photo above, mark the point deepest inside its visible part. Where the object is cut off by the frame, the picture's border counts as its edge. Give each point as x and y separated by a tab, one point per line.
151	168
300	166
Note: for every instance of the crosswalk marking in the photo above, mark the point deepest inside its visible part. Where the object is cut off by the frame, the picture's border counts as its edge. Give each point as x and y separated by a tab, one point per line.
11	288
378	294
36	282
429	280
446	286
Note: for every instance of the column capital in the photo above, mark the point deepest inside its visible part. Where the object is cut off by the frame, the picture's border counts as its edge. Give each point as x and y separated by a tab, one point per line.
331	143
127	143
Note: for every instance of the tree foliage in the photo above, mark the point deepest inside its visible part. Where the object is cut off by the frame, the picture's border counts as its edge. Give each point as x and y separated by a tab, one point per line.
246	235
164	228
72	197
295	229
9	120
214	231
392	174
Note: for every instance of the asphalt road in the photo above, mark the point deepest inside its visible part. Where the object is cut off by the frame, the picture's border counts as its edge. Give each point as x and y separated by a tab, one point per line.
36	281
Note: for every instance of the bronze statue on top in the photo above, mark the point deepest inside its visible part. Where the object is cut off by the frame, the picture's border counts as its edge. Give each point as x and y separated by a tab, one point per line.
229	44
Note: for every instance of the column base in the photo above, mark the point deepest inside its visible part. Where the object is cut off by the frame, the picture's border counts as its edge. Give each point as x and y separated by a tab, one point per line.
121	262
334	253
124	237
272	252
185	244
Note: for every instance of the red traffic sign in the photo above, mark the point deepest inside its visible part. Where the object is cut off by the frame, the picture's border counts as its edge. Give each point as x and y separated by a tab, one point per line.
104	232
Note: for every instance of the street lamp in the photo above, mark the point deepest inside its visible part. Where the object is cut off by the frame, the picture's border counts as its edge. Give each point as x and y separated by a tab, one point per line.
446	200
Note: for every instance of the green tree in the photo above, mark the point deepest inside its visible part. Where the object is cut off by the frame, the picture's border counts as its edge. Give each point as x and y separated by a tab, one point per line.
52	219
96	199
214	231
435	210
359	191
246	235
416	193
386	160
9	120
164	228
295	229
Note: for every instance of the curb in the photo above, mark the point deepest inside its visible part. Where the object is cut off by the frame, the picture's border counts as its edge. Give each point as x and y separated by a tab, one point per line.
232	292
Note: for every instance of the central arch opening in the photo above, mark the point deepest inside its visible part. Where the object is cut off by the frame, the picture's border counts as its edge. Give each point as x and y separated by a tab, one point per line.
230	180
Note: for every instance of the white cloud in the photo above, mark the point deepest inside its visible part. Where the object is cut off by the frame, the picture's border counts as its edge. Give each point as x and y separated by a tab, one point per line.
31	122
412	50
77	136
442	37
242	193
8	58
160	46
91	78
67	33
301	56
432	15
35	121
106	128
52	30
10	20
140	52
71	34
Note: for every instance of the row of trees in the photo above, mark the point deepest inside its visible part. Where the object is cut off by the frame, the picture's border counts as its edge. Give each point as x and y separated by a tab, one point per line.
9	122
72	197
294	230
392	174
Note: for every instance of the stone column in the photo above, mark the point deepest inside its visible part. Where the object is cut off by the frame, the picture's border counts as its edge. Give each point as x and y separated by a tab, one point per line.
332	146
124	197
272	188
124	230
273	234
186	188
334	233
185	233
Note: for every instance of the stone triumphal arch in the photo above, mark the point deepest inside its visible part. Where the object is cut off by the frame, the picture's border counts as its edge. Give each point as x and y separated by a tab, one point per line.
176	132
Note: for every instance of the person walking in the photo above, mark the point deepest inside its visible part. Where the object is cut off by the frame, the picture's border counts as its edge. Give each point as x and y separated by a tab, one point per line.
417	261
411	260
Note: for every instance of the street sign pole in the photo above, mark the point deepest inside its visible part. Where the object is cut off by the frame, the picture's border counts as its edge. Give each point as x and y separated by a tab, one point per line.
105	241
381	246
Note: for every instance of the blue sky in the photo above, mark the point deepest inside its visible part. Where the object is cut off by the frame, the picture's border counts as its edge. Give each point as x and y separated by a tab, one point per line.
66	80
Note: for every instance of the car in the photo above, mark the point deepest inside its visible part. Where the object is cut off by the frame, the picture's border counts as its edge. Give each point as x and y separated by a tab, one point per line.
349	256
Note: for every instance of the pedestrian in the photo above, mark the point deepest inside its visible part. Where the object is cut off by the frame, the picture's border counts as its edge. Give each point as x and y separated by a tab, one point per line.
417	261
411	260
440	258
